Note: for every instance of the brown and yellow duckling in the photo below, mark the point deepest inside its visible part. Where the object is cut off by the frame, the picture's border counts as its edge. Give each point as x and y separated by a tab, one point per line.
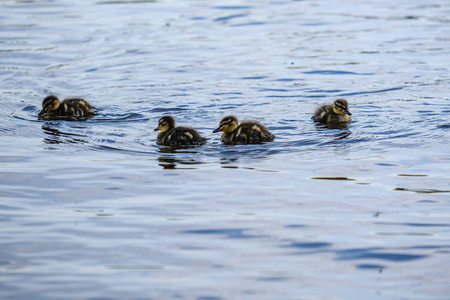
70	107
243	133
171	135
333	113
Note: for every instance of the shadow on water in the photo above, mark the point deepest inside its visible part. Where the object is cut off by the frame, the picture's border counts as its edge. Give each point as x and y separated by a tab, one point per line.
341	125
171	156
376	253
56	136
227	155
235	233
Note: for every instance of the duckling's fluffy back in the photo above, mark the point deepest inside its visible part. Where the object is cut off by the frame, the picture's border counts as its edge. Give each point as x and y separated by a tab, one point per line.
180	136
75	107
323	113
248	133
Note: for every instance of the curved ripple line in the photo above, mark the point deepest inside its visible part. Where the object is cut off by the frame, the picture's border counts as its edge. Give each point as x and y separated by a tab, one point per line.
371	92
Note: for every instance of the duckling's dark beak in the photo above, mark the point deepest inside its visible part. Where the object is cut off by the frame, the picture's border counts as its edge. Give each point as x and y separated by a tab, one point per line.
217	129
156	129
347	112
42	113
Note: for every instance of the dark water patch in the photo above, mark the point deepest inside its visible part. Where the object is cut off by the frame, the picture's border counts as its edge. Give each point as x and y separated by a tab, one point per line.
289	79
30	107
380	268
308	245
136	267
227	233
422	191
373	253
226	7
168	109
415	224
333	178
428	247
228	93
371	92
254	77
411	175
8	208
221	19
291	96
403	234
274	90
335	72
386	165
427	201
444	126
249	24
324	91
273	278
296	226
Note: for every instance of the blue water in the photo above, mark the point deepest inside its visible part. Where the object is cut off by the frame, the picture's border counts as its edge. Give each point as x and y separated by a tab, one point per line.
96	210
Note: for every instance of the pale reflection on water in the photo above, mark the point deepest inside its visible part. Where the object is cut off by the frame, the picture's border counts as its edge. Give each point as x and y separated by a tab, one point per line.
95	209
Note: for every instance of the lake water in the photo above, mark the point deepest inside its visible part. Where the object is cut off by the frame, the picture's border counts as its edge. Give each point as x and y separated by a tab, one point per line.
96	210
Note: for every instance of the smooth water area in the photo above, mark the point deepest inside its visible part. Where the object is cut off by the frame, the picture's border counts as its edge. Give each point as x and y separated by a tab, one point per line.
96	210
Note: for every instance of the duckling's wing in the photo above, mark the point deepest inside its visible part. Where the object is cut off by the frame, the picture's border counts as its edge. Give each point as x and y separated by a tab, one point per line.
187	136
253	132
322	113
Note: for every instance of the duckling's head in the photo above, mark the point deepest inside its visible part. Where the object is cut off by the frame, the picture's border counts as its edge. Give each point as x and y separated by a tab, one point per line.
165	124
49	104
228	124
340	107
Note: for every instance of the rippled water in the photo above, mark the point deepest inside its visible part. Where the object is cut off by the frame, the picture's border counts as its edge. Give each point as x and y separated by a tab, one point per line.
96	210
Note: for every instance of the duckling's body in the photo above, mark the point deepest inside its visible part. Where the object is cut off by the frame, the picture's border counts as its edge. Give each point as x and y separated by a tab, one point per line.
70	107
243	133
333	113
171	135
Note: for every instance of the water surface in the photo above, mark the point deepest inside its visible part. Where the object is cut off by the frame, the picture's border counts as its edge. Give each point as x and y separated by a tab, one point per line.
96	210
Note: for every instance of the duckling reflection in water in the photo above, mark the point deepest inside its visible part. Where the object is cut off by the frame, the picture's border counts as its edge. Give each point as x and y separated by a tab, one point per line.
243	133
70	107
171	135
333	113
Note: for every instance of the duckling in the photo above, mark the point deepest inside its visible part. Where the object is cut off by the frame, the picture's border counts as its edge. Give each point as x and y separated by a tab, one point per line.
336	113
70	107
244	133
176	136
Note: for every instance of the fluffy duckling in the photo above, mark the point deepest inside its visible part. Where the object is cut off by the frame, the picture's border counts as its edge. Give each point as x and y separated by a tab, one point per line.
171	135
70	107
335	113
244	133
